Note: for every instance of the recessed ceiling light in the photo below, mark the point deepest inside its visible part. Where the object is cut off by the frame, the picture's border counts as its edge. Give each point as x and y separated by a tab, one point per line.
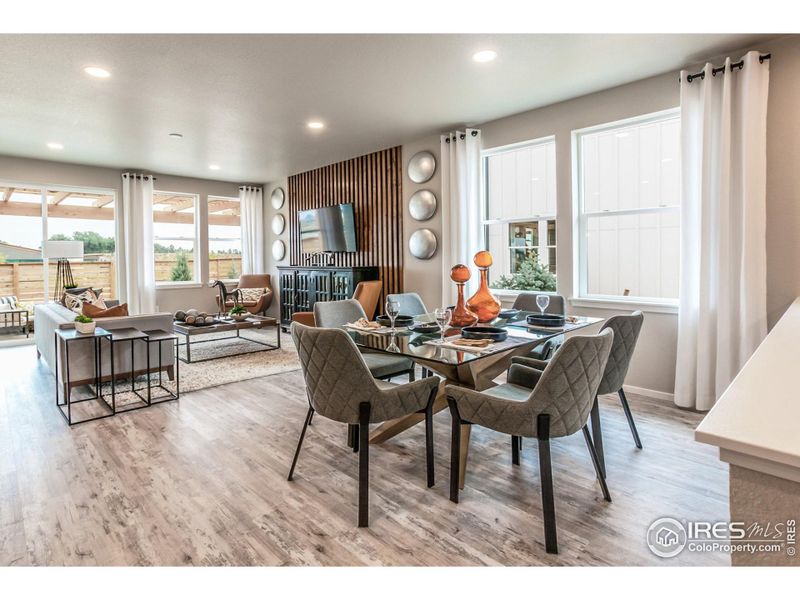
214	167
484	56
177	136
315	124
55	146
98	72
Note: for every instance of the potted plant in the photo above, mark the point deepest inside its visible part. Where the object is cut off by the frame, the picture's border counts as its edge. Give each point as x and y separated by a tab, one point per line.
85	324
238	313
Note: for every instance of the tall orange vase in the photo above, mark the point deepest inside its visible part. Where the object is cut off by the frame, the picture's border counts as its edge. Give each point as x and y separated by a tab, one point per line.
462	316
483	303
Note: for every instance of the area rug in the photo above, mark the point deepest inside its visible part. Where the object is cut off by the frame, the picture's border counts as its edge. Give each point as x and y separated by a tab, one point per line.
227	369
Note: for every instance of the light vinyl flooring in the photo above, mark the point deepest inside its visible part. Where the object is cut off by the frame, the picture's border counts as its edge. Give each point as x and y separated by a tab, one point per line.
202	481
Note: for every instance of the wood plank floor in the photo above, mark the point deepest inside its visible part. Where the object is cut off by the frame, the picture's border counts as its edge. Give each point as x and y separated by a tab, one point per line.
203	482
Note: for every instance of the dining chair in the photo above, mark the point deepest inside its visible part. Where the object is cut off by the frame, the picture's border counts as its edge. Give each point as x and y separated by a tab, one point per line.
339	386
626	330
338	313
410	303
367	293
558	405
527	301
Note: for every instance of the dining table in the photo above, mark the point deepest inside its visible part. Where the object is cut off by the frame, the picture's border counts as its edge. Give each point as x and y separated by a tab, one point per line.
474	368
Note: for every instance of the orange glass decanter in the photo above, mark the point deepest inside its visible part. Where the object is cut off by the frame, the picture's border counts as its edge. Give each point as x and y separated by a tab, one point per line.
483	303
462	316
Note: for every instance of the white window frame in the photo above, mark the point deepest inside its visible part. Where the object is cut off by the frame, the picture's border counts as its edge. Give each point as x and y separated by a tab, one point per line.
580	224
541	218
195	282
209	198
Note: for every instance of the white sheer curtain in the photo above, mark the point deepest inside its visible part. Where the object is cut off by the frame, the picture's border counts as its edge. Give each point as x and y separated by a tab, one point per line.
461	211
252	219
723	314
137	210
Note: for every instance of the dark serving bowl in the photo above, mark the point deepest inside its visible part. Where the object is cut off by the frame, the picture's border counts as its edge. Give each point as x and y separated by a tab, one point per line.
546	320
431	327
509	313
400	321
484	333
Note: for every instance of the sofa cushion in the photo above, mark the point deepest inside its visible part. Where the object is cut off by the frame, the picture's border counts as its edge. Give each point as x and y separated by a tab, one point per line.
95	312
8	302
75	301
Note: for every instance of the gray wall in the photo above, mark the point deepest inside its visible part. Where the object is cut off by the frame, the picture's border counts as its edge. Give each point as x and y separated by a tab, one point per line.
43	172
269	238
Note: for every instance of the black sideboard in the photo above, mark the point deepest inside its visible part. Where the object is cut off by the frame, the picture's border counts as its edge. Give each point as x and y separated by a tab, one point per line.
301	287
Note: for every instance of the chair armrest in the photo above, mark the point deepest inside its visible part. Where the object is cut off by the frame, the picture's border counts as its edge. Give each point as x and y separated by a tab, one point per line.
522	375
527	361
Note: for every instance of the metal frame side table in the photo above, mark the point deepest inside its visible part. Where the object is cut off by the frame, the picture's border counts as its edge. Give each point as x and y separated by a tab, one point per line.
157	336
133	335
71	335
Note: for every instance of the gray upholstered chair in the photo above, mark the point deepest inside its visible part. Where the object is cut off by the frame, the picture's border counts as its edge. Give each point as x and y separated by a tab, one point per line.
381	365
626	330
558	405
340	387
410	303
527	301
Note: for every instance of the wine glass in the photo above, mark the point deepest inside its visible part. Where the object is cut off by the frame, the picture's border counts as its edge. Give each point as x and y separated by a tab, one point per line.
442	316
542	301
393	347
392	310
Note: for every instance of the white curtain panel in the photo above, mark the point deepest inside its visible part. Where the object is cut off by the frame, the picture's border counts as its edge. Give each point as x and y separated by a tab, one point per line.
137	208
461	211
252	219
723	315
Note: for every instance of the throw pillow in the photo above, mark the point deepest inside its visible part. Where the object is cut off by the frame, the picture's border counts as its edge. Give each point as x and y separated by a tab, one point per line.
75	302
95	312
8	302
252	294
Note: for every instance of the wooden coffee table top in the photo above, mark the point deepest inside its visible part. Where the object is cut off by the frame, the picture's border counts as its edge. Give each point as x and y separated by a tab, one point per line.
252	322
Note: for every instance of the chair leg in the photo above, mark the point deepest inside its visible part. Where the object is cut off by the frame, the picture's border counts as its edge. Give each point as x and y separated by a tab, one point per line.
629	416
429	437
595	461
455	450
363	464
356	441
300	442
597	435
515	449
412	375
546	475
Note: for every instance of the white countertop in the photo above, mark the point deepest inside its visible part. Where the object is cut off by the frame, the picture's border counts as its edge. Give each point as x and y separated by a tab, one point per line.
756	422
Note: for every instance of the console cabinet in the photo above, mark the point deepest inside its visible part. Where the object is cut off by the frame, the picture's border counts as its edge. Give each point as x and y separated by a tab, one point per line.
301	287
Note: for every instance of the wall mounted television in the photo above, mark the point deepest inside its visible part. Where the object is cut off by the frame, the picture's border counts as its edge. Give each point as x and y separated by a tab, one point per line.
328	229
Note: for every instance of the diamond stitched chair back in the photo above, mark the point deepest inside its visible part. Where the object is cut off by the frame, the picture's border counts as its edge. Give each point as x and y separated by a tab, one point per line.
527	301
558	405
410	303
339	386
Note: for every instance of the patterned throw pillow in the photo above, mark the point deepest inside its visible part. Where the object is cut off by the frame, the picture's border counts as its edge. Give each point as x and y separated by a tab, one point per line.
8	302
74	302
252	294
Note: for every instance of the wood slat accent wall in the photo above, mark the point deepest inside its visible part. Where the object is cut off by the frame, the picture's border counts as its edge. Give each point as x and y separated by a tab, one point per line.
374	185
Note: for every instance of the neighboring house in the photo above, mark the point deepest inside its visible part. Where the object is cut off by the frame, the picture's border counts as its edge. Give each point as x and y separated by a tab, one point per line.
19	254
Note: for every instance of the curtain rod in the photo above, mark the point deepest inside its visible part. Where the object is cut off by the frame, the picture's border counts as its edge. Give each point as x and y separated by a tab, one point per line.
462	136
738	65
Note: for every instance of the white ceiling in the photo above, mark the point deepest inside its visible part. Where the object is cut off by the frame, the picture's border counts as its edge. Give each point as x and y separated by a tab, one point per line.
242	101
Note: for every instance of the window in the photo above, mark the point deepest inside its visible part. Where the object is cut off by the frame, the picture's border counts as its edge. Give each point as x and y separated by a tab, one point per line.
175	237
224	238
520	215
628	196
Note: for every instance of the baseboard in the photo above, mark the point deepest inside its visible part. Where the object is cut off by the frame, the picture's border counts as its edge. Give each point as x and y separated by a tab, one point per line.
655	394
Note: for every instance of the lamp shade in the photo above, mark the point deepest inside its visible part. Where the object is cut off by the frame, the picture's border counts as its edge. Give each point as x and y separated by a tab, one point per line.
63	249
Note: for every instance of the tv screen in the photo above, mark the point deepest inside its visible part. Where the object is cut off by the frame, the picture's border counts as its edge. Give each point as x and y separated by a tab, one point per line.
328	229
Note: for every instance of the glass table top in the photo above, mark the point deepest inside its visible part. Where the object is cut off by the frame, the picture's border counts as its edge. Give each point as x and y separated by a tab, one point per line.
413	345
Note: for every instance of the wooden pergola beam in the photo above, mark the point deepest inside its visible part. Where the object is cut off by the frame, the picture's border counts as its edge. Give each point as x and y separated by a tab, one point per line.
215	206
99	203
7	194
28	209
59	198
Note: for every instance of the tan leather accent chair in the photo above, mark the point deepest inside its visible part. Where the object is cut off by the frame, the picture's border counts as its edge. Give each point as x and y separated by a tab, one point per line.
260	306
367	293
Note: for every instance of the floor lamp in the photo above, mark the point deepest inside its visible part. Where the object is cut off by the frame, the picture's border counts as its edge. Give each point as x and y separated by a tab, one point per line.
63	250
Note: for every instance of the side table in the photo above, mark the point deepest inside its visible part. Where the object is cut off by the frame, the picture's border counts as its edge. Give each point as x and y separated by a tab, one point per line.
132	335
158	336
67	337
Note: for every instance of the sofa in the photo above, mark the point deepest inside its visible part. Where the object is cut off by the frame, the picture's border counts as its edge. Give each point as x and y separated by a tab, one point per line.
52	316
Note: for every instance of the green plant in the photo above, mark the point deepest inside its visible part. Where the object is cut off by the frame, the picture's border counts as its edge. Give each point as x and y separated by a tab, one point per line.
237	310
232	271
181	272
531	276
84	319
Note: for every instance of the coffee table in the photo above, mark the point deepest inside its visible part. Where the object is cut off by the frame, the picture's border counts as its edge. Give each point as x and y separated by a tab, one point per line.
193	333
